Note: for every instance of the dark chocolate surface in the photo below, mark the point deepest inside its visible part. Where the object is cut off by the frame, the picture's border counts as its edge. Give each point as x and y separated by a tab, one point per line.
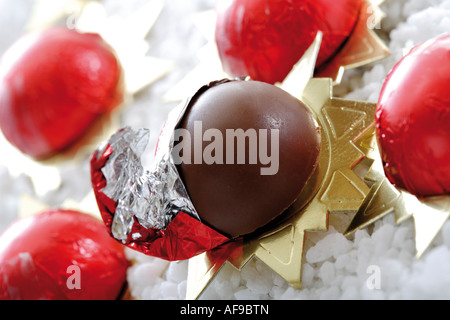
236	199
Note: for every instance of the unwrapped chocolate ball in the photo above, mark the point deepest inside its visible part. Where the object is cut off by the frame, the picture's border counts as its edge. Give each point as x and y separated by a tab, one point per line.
54	85
60	255
228	163
413	120
263	145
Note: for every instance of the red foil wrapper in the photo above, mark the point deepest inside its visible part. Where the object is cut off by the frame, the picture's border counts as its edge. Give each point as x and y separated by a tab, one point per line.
265	39
182	238
54	85
60	255
413	120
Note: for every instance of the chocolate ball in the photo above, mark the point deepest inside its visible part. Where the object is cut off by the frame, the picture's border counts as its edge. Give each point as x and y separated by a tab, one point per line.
245	150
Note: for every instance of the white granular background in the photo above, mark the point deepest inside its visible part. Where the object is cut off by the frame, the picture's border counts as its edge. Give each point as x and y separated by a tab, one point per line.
336	267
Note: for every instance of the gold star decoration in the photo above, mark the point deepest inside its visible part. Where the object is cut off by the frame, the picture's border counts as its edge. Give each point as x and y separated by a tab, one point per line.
127	36
335	191
429	214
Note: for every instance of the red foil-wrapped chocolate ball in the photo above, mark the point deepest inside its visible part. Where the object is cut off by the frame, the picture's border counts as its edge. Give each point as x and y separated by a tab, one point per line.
413	120
60	255
265	39
53	86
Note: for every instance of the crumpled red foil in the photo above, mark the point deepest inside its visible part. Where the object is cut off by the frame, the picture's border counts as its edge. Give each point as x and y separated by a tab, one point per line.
183	238
413	120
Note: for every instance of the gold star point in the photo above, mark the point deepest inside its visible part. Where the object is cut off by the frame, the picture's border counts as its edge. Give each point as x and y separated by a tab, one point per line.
429	214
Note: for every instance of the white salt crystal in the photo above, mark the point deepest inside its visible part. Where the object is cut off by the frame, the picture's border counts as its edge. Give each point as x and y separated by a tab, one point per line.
235	279
260	285
181	289
350	281
359	235
22	185
210	293
332	293
446	234
145	274
331	246
258	279
289	294
177	271
8	211
146	294
391	273
307	274
414	6
246	294
169	290
327	272
137	256
350	293
371	294
13	19
5	179
276	292
437	263
223	289
347	262
278	280
383	238
401	235
394	14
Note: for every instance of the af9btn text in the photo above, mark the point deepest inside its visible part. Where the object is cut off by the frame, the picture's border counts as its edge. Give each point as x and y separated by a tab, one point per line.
229	309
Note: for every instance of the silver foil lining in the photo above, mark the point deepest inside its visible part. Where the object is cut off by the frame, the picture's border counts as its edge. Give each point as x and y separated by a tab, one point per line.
154	197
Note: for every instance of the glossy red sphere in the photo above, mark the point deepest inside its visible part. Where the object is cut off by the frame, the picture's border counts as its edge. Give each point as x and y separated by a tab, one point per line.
265	39
59	255
53	86
413	120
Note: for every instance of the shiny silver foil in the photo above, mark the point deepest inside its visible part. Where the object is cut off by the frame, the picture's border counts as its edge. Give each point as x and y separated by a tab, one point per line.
154	197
